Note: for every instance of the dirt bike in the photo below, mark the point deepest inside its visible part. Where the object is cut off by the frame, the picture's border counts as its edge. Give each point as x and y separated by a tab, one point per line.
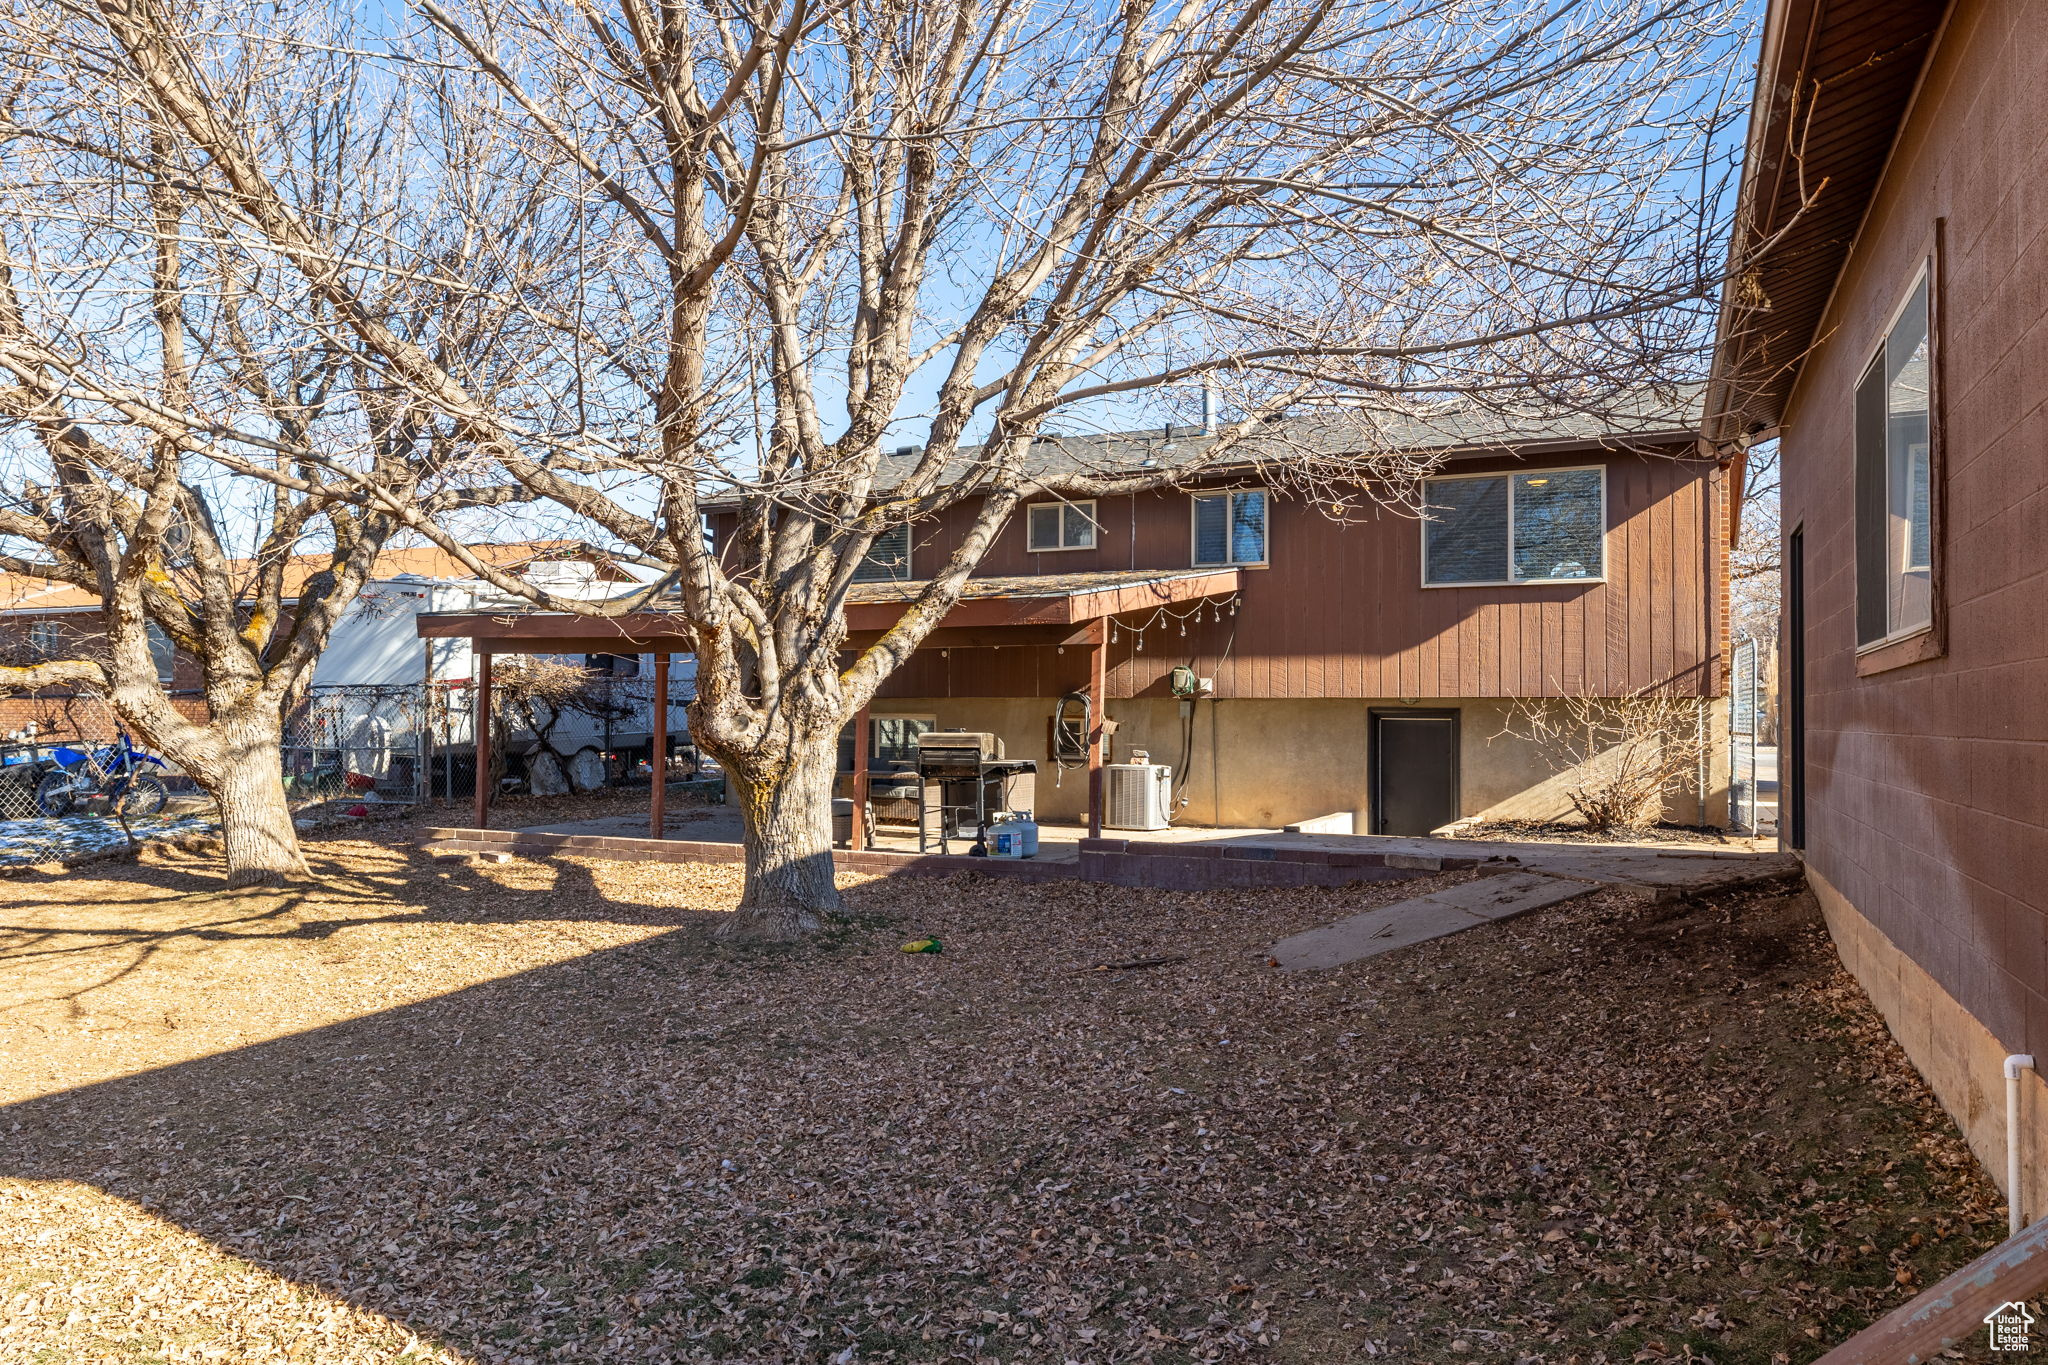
113	777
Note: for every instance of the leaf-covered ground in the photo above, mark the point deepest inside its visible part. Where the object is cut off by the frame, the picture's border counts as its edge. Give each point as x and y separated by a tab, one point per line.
534	1112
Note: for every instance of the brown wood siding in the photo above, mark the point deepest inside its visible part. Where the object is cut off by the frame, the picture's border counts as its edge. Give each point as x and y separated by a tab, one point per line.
1927	784
1340	611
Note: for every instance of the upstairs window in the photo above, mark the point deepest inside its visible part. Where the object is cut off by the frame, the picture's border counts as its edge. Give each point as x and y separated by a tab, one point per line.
887	559
1895	481
1545	526
1060	526
1230	528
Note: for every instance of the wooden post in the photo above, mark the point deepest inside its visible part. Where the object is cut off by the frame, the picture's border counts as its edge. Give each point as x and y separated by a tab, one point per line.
1098	693
657	815
856	830
482	720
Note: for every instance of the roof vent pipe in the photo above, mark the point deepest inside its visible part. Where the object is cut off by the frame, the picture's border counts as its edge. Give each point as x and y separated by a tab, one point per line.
1208	409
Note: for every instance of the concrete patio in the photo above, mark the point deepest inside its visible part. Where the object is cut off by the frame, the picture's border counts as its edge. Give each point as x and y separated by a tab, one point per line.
1057	843
1646	863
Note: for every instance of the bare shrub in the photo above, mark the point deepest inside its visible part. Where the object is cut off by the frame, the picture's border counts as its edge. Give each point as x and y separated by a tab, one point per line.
1625	755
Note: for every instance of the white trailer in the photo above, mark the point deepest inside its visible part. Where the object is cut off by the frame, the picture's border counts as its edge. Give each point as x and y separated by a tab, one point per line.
378	686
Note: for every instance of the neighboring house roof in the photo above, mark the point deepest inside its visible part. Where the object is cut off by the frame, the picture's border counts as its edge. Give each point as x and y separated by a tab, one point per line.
1834	82
1458	430
20	593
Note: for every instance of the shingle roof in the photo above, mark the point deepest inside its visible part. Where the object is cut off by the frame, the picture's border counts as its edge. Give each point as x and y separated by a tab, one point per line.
1456	431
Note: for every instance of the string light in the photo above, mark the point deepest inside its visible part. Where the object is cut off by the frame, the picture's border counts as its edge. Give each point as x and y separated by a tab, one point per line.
1161	616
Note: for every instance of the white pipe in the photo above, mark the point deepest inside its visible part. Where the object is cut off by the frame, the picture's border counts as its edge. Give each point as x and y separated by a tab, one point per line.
2014	1065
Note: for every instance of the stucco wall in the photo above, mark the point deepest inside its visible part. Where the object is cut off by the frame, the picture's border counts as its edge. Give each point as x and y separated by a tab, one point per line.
1285	761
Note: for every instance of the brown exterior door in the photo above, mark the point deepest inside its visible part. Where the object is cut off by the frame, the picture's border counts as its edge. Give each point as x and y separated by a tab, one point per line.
1414	771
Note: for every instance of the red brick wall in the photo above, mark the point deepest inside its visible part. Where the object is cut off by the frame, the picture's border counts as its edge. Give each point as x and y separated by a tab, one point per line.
1927	788
62	712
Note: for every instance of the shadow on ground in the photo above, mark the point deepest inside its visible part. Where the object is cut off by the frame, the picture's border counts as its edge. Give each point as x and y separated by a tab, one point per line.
1642	1130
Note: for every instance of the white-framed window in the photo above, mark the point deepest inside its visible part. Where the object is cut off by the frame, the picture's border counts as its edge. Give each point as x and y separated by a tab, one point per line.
46	638
1533	526
887	559
1895	478
1229	528
1060	526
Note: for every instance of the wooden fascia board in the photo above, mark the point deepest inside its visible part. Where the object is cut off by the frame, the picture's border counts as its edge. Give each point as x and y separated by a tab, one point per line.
1067	610
547	631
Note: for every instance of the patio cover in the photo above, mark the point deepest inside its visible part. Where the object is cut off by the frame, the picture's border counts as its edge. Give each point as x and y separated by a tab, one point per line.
1068	608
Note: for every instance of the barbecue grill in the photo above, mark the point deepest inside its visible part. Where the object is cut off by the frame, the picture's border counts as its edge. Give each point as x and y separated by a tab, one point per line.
963	780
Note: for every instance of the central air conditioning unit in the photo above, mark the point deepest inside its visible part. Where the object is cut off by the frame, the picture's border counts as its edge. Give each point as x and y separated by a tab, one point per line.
1139	795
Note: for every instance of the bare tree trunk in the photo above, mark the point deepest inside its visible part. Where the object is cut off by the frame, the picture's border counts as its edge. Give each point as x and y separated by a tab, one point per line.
786	814
246	780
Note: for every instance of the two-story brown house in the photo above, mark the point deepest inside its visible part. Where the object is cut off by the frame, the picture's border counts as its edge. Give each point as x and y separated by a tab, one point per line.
1292	663
1894	337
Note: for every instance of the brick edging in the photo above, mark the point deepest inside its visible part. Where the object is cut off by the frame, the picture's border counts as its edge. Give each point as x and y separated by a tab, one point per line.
1116	862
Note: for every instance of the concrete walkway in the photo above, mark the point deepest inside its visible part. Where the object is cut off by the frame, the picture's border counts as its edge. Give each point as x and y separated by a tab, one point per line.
1422	918
1700	866
1549	873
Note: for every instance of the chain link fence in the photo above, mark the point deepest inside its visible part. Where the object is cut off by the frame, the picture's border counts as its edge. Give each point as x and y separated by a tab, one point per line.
349	746
416	745
369	744
64	798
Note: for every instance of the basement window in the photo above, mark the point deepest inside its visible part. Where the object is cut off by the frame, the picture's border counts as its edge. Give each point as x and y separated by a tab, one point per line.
1060	526
1491	530
892	742
1895	481
887	559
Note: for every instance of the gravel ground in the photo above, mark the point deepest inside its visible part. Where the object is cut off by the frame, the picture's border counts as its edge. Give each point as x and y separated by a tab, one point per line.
535	1112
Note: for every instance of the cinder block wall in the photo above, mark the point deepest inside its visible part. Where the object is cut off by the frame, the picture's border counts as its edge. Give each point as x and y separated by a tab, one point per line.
1927	782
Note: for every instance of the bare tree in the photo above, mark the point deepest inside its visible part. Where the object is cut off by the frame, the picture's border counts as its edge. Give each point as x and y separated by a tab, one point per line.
806	231
1755	565
187	429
